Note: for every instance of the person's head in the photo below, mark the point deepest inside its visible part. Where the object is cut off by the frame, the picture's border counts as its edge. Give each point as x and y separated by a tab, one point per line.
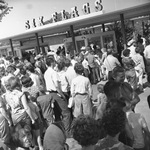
126	53
22	135
61	64
11	69
140	41
16	59
112	90
103	50
14	83
100	87
67	62
85	130
118	74
23	71
2	71
30	68
137	50
50	62
26	81
113	121
79	69
109	51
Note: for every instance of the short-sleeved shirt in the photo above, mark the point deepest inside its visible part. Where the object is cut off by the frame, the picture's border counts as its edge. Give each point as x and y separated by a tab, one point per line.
81	85
111	62
13	99
51	78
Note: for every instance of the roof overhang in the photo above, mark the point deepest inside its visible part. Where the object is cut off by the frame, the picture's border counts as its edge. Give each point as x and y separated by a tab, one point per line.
92	19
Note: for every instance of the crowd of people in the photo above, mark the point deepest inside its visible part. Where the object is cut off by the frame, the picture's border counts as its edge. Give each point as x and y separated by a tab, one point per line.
49	99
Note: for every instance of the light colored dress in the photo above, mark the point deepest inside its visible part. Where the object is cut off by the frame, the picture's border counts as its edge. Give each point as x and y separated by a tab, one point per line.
13	99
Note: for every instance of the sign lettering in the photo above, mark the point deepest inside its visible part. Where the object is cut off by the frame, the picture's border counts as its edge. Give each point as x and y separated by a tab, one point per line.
74	12
86	8
64	15
98	5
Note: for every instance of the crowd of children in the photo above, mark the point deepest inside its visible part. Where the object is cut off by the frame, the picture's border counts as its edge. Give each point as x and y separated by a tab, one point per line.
45	101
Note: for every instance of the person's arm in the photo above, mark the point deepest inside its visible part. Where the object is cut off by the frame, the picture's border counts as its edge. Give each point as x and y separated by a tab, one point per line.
90	92
72	89
27	108
135	99
6	115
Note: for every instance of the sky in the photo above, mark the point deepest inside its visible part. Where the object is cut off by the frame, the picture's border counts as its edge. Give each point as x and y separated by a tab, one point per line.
23	10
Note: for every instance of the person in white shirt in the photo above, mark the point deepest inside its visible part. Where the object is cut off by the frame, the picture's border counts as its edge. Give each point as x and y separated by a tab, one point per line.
139	67
110	63
70	72
63	79
35	78
53	86
81	92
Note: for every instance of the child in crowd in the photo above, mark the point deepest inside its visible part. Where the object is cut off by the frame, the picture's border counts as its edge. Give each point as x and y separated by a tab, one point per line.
81	92
101	102
118	74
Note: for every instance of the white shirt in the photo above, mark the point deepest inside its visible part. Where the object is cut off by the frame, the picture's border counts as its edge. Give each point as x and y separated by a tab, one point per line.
70	74
147	51
51	78
36	80
111	62
64	82
81	85
139	62
132	50
85	64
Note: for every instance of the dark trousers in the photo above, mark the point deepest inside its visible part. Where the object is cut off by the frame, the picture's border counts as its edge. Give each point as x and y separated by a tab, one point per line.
61	107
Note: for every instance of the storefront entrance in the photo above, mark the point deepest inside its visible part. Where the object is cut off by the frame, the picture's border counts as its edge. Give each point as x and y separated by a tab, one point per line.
101	40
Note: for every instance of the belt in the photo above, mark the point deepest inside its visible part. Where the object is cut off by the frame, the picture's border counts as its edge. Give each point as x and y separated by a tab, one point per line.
52	91
81	94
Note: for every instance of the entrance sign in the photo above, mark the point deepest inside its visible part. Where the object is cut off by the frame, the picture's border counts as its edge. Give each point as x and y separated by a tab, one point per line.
74	13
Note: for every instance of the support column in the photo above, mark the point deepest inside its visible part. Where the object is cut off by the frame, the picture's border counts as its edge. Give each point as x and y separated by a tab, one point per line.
11	46
38	44
21	44
143	27
103	27
42	40
123	30
73	38
132	24
43	48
